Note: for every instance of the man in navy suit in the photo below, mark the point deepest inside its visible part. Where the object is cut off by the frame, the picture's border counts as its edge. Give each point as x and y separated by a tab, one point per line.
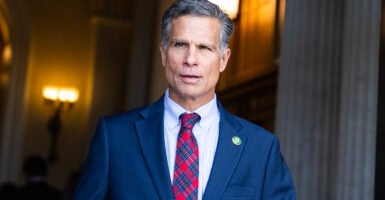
133	154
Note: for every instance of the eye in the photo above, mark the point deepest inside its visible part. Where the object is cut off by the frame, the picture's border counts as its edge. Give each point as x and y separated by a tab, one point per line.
180	44
204	47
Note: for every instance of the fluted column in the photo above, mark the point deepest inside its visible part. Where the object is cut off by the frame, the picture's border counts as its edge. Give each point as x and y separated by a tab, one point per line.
326	104
357	117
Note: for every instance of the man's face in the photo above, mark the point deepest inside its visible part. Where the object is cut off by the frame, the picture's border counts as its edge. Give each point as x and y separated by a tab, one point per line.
193	60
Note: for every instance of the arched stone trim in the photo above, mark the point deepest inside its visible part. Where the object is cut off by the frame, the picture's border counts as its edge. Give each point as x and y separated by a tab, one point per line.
17	26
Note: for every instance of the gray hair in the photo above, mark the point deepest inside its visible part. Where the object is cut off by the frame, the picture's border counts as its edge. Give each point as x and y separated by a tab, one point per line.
202	8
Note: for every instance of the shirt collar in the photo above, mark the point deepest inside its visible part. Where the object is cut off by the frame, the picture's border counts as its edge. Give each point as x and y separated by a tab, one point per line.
208	112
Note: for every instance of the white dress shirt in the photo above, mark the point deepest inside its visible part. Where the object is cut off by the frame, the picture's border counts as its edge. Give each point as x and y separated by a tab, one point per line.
205	131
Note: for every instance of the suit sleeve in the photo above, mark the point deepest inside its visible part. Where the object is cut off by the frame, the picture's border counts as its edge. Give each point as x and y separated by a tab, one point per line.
93	182
278	181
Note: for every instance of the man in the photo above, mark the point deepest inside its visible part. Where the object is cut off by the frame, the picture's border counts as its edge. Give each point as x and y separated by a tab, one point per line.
142	154
35	169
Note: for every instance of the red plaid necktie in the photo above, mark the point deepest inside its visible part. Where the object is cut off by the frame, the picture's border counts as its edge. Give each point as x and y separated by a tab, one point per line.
186	171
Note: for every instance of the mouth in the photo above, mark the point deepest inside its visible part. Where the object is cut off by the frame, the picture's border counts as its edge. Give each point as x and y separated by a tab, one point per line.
188	78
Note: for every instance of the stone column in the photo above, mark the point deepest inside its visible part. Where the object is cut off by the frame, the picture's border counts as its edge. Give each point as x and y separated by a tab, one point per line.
358	101
158	81
143	47
326	107
112	29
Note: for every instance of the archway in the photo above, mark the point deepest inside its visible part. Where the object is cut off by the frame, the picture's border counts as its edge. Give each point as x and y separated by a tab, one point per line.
14	56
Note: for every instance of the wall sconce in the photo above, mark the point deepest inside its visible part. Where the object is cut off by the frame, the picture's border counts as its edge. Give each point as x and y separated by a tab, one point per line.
230	7
62	99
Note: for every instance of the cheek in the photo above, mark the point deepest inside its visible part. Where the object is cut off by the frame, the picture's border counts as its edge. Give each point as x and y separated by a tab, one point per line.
170	70
213	75
169	73
215	69
172	60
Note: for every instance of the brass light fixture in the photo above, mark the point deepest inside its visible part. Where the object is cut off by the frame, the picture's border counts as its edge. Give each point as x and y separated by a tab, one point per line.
62	99
230	7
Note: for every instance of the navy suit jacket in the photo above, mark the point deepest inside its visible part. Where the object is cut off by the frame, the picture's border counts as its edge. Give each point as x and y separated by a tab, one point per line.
127	160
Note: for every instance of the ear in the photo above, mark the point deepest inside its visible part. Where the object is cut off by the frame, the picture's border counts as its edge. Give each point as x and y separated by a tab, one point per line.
162	54
224	59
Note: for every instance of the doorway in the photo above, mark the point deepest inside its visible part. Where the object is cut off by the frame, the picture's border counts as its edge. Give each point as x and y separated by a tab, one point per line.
380	146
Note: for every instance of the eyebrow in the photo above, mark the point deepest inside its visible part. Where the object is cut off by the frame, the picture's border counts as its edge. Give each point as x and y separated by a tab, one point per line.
212	46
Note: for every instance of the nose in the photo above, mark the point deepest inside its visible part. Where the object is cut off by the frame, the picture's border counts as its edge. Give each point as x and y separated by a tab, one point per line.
191	56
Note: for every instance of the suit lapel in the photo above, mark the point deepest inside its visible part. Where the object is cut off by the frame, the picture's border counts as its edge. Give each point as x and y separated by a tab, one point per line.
150	134
226	157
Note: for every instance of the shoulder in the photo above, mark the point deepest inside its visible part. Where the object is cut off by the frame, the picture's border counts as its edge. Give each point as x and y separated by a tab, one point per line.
135	114
39	191
253	128
246	127
123	116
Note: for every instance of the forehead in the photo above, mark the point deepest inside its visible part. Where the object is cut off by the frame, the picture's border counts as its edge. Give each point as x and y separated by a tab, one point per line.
195	27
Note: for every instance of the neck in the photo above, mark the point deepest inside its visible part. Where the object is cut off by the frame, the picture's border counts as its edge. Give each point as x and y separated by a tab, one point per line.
191	104
36	179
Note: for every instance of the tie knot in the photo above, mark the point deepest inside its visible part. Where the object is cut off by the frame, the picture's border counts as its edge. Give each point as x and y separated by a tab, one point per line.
188	120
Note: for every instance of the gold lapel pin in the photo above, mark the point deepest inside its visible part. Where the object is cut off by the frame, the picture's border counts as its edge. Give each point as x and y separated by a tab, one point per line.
236	140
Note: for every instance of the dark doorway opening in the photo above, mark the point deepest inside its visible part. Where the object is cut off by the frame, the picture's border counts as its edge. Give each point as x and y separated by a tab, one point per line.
380	148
